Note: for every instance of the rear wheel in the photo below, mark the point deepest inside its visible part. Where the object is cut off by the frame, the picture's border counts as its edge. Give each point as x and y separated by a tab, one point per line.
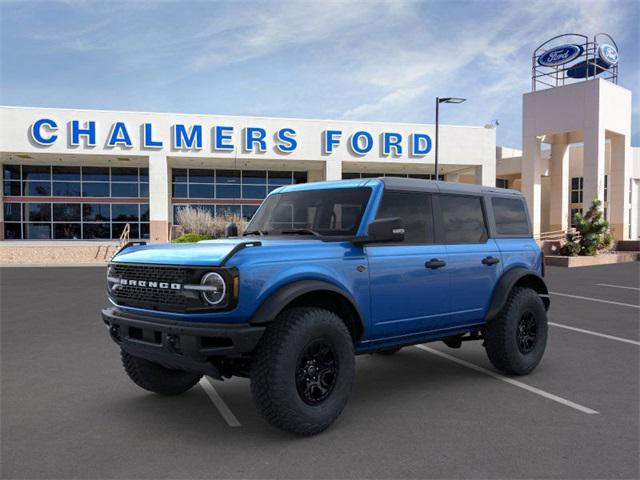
156	378
303	370
516	339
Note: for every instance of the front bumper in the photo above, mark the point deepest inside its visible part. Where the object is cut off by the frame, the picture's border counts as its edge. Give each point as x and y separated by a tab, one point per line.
180	345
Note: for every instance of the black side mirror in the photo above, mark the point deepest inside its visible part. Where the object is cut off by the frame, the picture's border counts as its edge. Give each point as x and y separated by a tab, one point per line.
230	230
385	230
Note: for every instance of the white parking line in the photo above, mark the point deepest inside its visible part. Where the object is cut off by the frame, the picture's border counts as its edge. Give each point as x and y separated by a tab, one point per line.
227	414
595	300
590	332
617	286
511	381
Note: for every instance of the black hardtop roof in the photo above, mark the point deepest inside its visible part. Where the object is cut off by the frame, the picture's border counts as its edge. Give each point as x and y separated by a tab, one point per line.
416	184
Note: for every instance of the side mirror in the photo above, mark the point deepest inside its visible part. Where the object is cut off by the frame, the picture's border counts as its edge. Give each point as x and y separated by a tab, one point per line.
230	230
385	230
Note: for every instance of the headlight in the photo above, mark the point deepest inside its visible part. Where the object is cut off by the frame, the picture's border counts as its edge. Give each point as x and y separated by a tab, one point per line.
214	288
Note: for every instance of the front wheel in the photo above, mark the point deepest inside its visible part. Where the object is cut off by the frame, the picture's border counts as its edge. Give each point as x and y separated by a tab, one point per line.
516	339
303	370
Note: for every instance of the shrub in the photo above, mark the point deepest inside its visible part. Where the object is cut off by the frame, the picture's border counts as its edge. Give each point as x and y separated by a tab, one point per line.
192	238
592	233
201	222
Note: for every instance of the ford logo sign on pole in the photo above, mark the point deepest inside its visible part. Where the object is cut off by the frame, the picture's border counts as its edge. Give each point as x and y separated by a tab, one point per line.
608	54
560	55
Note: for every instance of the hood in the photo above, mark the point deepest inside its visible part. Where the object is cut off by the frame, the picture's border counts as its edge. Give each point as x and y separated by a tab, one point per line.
208	253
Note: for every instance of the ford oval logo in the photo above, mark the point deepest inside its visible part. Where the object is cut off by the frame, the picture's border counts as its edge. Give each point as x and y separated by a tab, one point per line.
560	55
608	54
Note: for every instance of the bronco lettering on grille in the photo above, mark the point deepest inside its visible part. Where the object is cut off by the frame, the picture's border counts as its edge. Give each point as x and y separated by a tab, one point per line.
149	284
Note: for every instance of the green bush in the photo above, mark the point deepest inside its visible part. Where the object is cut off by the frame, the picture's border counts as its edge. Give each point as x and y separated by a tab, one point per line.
592	233
192	238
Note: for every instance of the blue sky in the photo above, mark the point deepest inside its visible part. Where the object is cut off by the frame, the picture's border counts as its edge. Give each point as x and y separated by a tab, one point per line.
356	60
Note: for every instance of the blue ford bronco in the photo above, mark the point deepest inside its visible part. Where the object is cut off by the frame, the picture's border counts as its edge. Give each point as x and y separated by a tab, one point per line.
324	272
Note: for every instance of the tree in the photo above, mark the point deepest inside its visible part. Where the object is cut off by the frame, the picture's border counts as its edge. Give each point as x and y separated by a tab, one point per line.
592	233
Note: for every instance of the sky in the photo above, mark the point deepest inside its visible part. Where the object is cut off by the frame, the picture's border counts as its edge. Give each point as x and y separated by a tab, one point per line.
345	60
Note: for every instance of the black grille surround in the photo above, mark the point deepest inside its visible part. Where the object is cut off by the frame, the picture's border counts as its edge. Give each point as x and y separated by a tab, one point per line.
171	296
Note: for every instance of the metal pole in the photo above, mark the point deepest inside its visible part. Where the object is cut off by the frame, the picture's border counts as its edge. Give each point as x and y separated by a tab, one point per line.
437	126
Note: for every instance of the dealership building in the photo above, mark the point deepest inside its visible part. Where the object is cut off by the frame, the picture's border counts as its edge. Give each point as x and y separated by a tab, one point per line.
86	174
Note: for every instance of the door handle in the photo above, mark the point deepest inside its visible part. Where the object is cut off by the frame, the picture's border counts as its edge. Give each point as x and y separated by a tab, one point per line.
490	261
435	263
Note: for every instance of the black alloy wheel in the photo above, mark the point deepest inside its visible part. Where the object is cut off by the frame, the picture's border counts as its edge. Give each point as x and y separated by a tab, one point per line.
526	332
317	372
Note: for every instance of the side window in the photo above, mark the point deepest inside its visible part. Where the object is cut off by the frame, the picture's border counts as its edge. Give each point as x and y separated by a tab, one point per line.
463	219
510	215
415	211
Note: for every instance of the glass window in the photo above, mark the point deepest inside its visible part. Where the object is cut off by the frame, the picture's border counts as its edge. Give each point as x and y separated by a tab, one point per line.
330	212
66	189
573	212
254	177
144	230
37	189
12	188
37	231
227	191
227	176
12	212
96	230
96	212
124	212
13	231
228	210
66	212
95	189
179	175
95	174
144	190
280	178
197	190
463	219
11	172
36	172
70	231
124	190
66	173
144	212
414	209
502	183
37	212
121	174
350	175
254	191
144	174
201	176
299	177
179	190
117	228
510	216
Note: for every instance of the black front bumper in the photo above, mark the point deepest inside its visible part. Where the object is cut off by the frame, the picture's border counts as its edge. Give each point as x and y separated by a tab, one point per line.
182	345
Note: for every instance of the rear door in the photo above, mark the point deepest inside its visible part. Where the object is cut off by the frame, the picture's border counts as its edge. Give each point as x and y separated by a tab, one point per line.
474	258
407	295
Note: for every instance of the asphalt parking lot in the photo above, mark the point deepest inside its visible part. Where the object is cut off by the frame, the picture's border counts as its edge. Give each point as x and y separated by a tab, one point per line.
68	410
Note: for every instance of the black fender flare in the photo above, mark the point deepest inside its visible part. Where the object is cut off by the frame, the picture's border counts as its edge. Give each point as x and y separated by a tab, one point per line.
506	283
286	294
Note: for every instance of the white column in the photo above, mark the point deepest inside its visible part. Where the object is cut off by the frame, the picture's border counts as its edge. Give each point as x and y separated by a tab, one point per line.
559	201
159	197
619	186
531	172
593	166
333	169
486	174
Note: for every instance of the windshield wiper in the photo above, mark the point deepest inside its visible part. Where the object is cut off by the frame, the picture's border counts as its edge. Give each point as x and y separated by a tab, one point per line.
302	231
255	232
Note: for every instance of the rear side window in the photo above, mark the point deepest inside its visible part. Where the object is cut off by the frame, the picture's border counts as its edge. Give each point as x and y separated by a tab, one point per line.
463	219
415	211
510	215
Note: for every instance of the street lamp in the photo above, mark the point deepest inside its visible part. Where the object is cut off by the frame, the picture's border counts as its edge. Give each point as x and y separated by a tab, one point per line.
438	102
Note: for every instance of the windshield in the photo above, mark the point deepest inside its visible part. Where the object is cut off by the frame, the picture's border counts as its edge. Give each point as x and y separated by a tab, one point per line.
327	212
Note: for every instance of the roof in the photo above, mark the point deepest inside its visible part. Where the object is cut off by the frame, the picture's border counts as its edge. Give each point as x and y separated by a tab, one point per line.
415	184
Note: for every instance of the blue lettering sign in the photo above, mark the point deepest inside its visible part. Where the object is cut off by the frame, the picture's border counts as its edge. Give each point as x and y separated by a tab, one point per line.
89	131
421	144
222	135
119	136
255	136
331	140
391	140
358	147
189	139
286	142
147	138
37	134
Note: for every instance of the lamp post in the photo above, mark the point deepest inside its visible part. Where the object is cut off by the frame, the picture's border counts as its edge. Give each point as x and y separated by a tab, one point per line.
438	102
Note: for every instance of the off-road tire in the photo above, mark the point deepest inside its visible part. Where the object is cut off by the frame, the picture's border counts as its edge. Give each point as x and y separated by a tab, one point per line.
388	351
156	378
501	333
277	361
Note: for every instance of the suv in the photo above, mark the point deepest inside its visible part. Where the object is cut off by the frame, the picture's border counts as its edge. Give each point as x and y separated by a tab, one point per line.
326	271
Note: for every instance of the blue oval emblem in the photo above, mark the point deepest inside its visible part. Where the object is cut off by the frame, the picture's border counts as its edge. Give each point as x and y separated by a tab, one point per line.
560	55
608	54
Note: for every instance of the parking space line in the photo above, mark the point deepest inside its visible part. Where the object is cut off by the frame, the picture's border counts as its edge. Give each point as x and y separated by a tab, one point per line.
225	411
590	332
596	300
617	286
511	381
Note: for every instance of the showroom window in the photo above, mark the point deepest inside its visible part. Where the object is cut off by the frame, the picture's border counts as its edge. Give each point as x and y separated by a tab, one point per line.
351	175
